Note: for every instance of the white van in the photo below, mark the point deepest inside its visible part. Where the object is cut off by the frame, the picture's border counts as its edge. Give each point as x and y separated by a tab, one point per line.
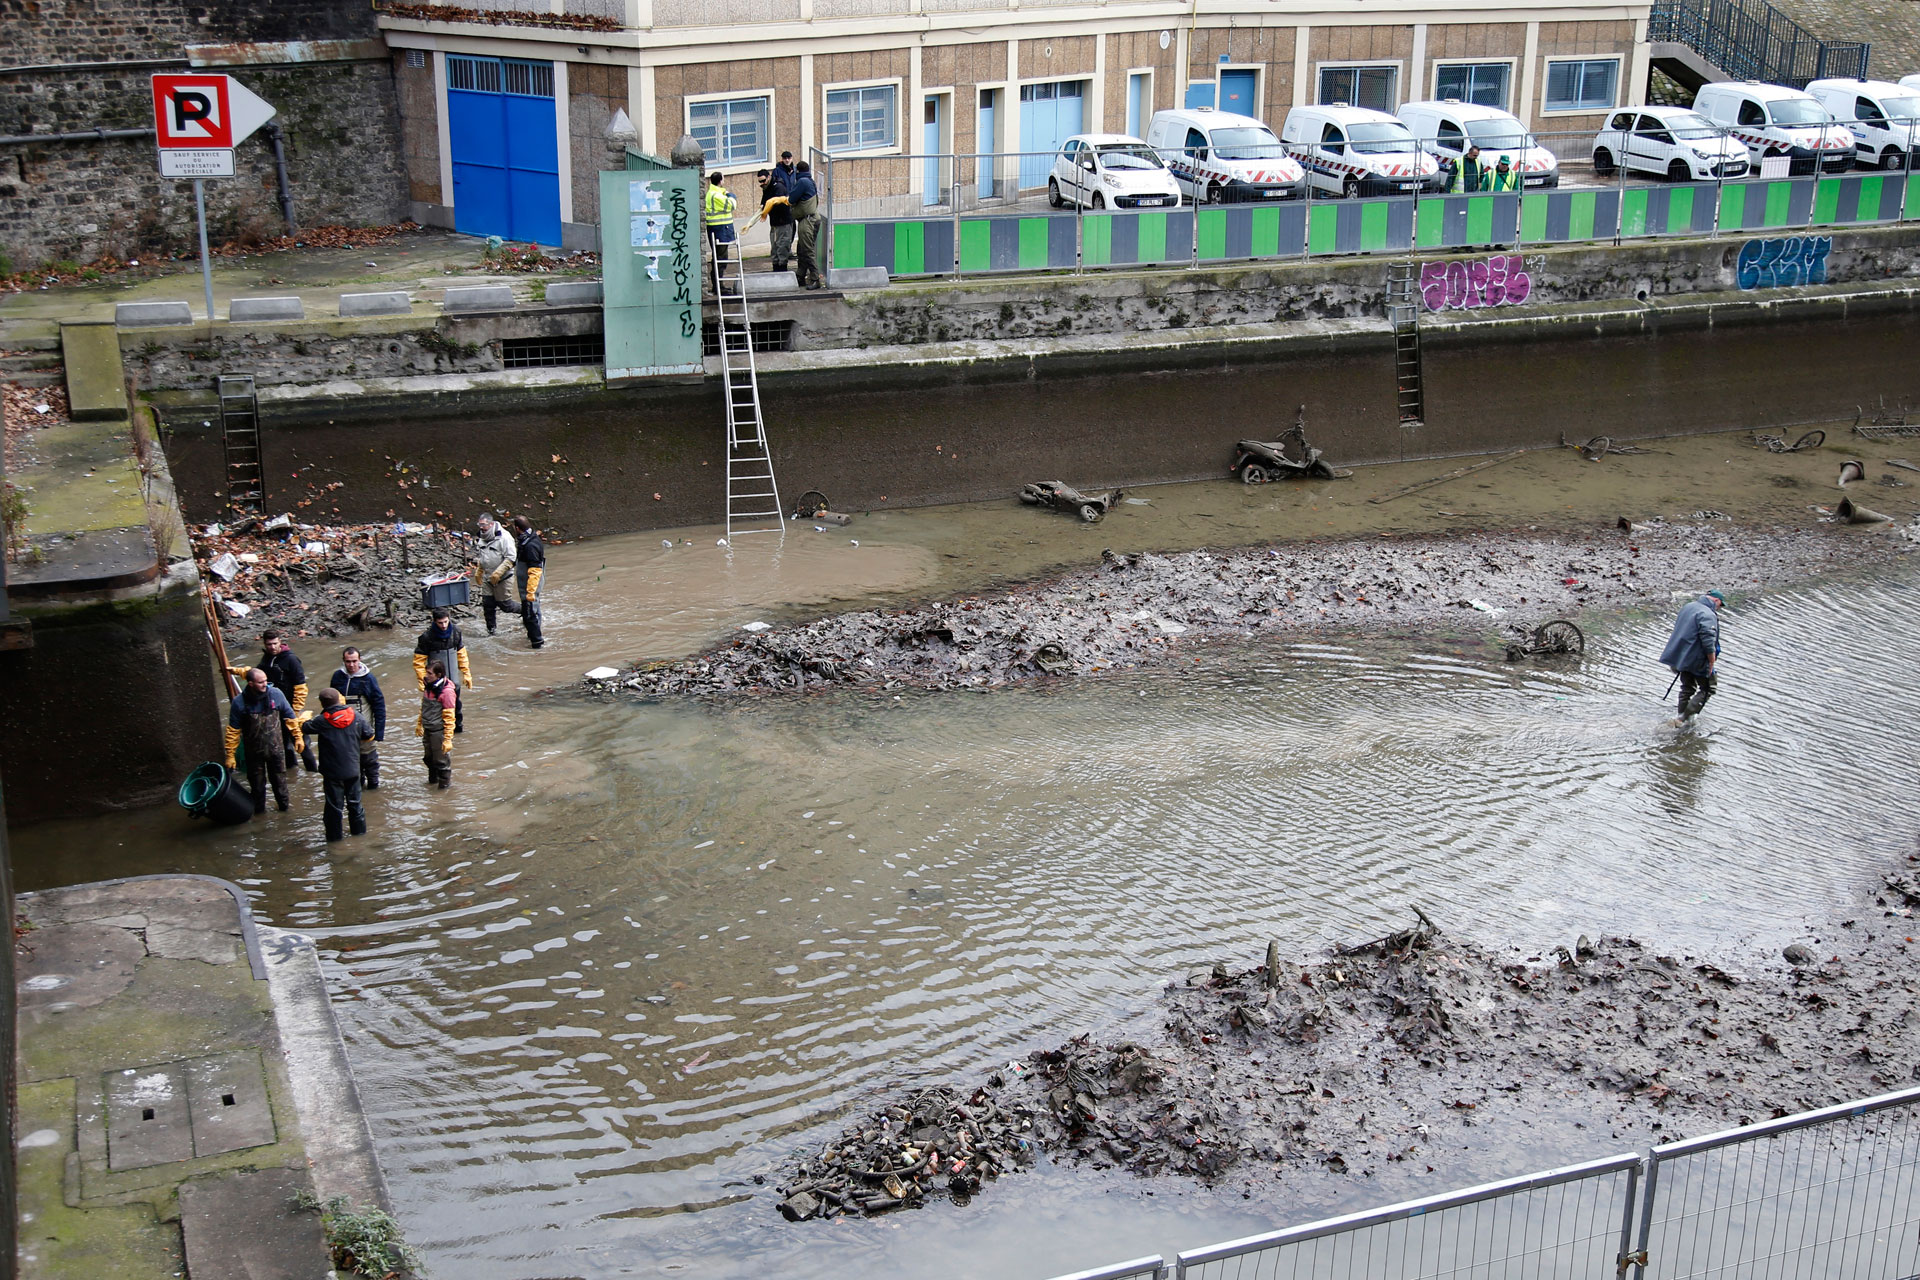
1355	151
1221	156
1884	118
1775	121
1449	127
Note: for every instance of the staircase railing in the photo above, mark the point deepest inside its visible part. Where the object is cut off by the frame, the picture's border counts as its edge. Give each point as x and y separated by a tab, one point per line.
1752	40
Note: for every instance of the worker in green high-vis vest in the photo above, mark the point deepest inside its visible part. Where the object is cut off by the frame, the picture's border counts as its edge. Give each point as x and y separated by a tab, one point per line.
1505	176
1469	175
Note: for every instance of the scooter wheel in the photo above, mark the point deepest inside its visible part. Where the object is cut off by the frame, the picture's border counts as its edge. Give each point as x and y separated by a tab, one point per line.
1089	512
1254	473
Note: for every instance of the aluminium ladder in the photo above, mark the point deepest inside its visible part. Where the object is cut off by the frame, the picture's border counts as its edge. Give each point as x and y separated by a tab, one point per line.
1403	312
240	441
753	498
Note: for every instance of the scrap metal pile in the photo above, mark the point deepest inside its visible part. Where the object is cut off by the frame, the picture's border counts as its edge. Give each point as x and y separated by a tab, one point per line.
320	580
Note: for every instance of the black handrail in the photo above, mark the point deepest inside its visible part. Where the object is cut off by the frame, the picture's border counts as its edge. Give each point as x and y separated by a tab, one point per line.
1752	40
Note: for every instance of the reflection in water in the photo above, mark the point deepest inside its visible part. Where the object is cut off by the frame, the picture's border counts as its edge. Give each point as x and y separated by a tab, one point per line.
639	953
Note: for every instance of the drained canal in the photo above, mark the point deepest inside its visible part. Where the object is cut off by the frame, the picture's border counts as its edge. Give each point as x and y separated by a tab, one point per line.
641	953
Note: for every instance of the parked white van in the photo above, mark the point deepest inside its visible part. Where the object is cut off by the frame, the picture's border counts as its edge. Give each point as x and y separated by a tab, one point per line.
1221	156
1883	117
1355	151
1449	127
1776	121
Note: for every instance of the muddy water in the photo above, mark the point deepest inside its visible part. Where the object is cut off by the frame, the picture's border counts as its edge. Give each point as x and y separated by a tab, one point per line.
639	954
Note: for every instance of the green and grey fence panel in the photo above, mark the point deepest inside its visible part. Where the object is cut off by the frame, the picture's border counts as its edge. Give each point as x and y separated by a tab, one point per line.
1666	211
1911	209
1454	222
913	247
1136	239
1863	197
1019	244
1560	217
1242	231
1766	204
1360	226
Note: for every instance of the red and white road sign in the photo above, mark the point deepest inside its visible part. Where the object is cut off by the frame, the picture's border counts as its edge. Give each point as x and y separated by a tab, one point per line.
205	112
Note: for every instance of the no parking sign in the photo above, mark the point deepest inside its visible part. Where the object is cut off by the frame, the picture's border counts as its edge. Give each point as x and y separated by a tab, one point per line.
199	119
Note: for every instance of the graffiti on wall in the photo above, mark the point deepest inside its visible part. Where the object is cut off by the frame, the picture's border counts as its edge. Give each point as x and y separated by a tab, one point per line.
1783	260
1462	284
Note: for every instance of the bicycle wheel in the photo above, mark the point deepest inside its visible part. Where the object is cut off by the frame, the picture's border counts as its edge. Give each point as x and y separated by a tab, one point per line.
1558	636
1811	440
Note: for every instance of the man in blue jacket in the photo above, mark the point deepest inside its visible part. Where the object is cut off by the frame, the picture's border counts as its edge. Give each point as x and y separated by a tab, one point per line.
355	681
1693	650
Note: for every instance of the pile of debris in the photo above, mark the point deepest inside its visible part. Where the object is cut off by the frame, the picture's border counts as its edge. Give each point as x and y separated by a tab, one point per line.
27	410
321	580
933	1144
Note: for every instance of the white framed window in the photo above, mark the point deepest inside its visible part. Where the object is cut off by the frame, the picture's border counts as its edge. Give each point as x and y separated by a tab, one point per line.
734	130
1486	84
1359	84
1581	84
863	117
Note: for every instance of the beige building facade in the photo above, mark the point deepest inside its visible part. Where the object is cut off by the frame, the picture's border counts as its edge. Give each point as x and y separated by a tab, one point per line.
883	83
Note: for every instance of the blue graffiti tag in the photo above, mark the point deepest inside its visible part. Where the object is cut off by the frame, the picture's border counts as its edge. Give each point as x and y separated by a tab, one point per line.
1790	260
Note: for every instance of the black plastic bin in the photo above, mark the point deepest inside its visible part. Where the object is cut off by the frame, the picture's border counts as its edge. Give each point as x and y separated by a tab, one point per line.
214	792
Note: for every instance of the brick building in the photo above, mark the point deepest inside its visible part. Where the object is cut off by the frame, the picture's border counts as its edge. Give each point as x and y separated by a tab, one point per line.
504	120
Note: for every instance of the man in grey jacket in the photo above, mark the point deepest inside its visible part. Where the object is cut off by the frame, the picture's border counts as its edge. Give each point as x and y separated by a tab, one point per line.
494	570
1693	650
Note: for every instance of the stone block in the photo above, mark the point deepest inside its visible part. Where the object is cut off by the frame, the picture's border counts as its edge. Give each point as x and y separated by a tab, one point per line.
764	282
131	315
242	309
857	278
375	304
568	293
485	297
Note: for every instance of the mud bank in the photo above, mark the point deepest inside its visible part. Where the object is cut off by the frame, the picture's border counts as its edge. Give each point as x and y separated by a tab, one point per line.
1385	1052
1139	610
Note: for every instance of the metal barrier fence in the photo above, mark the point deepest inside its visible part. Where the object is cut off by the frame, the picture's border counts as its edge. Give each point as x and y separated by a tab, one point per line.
963	215
1833	1193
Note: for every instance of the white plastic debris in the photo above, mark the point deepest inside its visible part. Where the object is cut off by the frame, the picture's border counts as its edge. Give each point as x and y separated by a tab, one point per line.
854	541
215	530
757	626
602	673
667	543
43	408
226	568
314	548
278	522
1168	627
1484	607
719	542
237	609
249	557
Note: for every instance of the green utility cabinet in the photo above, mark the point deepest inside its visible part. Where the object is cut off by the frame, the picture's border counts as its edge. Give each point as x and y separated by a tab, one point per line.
650	268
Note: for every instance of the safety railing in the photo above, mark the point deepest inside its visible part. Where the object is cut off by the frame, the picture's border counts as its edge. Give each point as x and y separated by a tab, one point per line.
1752	40
969	215
1833	1193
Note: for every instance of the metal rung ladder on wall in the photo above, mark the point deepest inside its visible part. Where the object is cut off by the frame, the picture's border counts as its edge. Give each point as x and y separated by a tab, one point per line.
1403	311
240	441
753	498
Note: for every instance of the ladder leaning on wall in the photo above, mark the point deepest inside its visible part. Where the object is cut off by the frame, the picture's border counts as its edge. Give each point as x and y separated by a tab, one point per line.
753	498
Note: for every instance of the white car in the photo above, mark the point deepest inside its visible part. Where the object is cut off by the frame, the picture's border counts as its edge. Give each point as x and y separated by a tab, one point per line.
1102	170
1449	127
1675	142
1776	121
1355	151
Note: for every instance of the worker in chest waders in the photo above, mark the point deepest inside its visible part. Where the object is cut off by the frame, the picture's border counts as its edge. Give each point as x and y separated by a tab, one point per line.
339	732
529	568
357	684
285	674
494	570
259	717
435	726
1693	651
443	643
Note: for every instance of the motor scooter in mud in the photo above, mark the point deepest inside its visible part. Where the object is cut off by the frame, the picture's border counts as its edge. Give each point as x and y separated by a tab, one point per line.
1261	461
1063	497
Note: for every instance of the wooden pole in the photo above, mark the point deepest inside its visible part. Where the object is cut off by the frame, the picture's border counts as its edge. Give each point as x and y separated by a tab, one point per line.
219	645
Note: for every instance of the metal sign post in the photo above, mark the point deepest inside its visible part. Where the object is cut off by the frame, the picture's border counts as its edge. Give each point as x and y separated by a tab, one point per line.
197	122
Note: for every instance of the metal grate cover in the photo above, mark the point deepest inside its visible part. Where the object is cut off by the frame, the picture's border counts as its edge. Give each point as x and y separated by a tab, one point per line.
767	335
547	353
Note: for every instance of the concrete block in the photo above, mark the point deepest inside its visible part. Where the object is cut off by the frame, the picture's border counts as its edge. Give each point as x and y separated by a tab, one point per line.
567	293
130	315
762	282
266	309
96	379
485	297
375	304
857	278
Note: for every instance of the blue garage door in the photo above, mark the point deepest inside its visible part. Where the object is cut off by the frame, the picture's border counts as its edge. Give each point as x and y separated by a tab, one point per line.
1049	114
506	154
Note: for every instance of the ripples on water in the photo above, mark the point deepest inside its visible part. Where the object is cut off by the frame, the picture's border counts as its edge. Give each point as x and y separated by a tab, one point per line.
656	948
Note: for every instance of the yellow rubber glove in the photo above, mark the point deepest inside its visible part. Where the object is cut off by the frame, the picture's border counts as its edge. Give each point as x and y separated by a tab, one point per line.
446	733
299	698
420	669
466	671
501	572
533	582
420	726
232	744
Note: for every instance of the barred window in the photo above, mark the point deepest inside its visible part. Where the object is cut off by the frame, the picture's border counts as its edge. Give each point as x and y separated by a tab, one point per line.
500	75
734	132
861	119
1581	86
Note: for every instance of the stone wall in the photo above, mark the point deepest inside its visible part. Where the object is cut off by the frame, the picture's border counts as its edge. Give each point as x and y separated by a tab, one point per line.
50	31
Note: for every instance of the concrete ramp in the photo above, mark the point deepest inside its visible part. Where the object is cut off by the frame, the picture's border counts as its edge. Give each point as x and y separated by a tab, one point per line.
1684	65
96	382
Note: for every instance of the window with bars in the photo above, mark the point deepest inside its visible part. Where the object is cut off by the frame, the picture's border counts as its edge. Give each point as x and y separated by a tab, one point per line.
500	75
547	353
766	335
1482	83
862	119
734	132
1586	85
1359	86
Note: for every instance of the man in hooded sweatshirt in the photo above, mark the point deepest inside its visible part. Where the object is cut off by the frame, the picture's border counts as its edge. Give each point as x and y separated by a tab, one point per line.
1693	650
361	688
340	731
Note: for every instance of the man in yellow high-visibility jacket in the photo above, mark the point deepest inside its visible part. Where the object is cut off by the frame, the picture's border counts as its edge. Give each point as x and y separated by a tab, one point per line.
719	216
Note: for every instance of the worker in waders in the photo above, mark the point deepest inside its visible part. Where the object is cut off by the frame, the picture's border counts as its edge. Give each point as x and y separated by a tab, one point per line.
529	567
435	725
443	643
284	673
339	732
260	716
493	572
356	683
1693	651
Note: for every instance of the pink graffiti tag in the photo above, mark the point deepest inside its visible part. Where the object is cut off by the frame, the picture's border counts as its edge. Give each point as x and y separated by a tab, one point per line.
1501	280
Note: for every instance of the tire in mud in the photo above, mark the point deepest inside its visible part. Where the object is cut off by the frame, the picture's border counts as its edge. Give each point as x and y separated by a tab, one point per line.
1559	636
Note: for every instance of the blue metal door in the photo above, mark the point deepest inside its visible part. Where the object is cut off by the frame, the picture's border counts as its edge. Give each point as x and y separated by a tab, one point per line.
1049	114
985	143
1139	106
506	151
1199	94
932	189
1236	92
